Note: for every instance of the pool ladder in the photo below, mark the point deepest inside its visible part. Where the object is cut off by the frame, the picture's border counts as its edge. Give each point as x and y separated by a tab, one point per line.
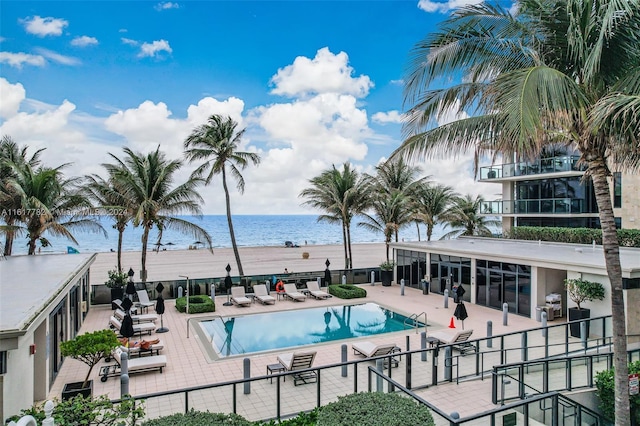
414	318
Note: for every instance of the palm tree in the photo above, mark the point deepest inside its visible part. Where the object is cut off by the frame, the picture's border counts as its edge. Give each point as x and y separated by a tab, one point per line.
146	182
341	195
12	156
112	203
561	71
463	216
431	202
216	143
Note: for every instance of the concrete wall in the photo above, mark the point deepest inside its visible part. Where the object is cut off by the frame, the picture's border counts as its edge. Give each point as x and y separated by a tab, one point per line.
17	385
630	210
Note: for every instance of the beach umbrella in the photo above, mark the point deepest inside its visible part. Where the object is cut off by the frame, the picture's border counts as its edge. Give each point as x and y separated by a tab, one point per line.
160	308
461	313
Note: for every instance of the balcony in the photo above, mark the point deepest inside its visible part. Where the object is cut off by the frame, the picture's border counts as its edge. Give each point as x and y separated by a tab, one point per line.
565	163
539	206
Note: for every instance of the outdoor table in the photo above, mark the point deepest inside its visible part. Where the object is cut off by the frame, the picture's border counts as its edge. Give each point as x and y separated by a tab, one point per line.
275	368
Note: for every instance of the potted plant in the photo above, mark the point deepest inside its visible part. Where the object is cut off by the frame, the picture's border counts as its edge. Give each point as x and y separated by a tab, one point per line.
582	291
386	272
89	348
116	282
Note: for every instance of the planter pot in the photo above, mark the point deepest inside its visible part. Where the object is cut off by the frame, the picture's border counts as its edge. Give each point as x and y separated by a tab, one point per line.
116	293
75	388
578	314
386	277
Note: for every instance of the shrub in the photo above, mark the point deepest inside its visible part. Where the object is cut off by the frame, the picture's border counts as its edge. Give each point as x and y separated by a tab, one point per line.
387	265
197	304
90	348
583	291
302	419
347	291
605	385
116	279
199	418
626	237
374	409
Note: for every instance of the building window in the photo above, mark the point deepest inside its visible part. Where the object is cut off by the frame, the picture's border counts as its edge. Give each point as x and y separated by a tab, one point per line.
617	190
3	362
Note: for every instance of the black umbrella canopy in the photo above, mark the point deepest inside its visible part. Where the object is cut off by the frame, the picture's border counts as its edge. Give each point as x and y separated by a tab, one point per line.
160	305
327	276
126	329
461	313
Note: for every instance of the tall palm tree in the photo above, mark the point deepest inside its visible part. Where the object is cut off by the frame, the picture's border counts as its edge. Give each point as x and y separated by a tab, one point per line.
216	143
431	203
12	157
464	217
147	183
341	194
553	71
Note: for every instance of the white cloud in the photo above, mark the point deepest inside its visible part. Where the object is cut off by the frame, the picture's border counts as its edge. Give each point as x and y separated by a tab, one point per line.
154	48
19	59
200	113
166	5
56	57
398	82
43	27
12	97
326	73
446	6
387	117
129	41
84	41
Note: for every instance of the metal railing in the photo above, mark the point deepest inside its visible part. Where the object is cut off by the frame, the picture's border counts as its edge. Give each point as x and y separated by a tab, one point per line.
416	324
535	206
564	163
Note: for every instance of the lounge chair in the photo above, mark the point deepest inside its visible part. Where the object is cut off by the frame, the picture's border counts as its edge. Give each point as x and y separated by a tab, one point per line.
144	327
314	290
371	350
261	295
143	300
140	347
458	340
292	292
119	313
238	296
135	365
133	310
299	361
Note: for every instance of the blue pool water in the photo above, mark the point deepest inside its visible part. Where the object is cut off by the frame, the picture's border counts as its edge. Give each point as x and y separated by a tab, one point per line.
286	329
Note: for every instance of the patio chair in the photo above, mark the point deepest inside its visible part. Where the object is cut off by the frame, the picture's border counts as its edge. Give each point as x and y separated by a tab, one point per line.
239	297
314	290
144	327
292	292
143	300
133	310
371	350
458	340
261	295
295	361
135	365
140	347
119	313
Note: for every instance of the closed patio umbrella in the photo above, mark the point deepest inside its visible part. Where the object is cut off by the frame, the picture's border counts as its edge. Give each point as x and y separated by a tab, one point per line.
126	328
160	308
461	313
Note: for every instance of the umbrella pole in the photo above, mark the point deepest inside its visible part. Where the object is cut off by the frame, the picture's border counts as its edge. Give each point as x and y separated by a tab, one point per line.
162	328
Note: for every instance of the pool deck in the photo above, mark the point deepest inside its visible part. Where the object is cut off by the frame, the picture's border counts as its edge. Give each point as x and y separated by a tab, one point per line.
187	365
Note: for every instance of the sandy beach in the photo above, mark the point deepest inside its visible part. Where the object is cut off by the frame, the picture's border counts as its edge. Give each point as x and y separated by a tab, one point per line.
201	263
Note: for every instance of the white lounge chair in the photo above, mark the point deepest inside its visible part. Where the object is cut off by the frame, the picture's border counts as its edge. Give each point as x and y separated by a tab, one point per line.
261	295
133	310
299	361
314	290
143	300
144	327
119	313
292	292
140	347
238	296
135	365
371	350
458	340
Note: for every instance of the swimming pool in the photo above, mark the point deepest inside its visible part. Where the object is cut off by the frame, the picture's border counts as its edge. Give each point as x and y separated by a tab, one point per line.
286	329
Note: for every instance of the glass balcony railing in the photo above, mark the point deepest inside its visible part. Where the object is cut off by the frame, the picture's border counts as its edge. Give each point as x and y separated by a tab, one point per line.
543	206
565	163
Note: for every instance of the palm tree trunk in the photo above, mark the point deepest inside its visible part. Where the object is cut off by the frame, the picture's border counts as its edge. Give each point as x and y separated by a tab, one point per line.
429	231
611	248
120	235
344	240
418	229
32	246
9	235
350	258
231	233
145	239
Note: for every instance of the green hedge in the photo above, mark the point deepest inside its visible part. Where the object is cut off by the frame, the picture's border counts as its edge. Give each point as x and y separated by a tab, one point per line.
605	384
199	418
347	291
197	304
626	237
374	409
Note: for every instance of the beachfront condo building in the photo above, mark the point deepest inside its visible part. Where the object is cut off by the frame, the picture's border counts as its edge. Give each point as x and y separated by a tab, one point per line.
550	191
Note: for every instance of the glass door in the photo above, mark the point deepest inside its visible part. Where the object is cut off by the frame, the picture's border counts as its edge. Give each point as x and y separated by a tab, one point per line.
449	276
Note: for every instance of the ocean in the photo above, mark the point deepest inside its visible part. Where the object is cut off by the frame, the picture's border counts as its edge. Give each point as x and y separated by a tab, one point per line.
250	231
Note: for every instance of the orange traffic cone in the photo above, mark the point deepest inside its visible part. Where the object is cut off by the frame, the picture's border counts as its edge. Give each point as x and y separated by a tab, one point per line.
451	324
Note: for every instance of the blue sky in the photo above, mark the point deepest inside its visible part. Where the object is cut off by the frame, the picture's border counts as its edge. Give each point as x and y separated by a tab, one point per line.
315	83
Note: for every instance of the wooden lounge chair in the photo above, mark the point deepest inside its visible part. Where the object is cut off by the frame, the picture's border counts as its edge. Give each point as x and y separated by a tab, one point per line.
458	340
314	290
292	293
299	361
261	295
135	365
371	350
144	327
119	313
143	300
238	296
